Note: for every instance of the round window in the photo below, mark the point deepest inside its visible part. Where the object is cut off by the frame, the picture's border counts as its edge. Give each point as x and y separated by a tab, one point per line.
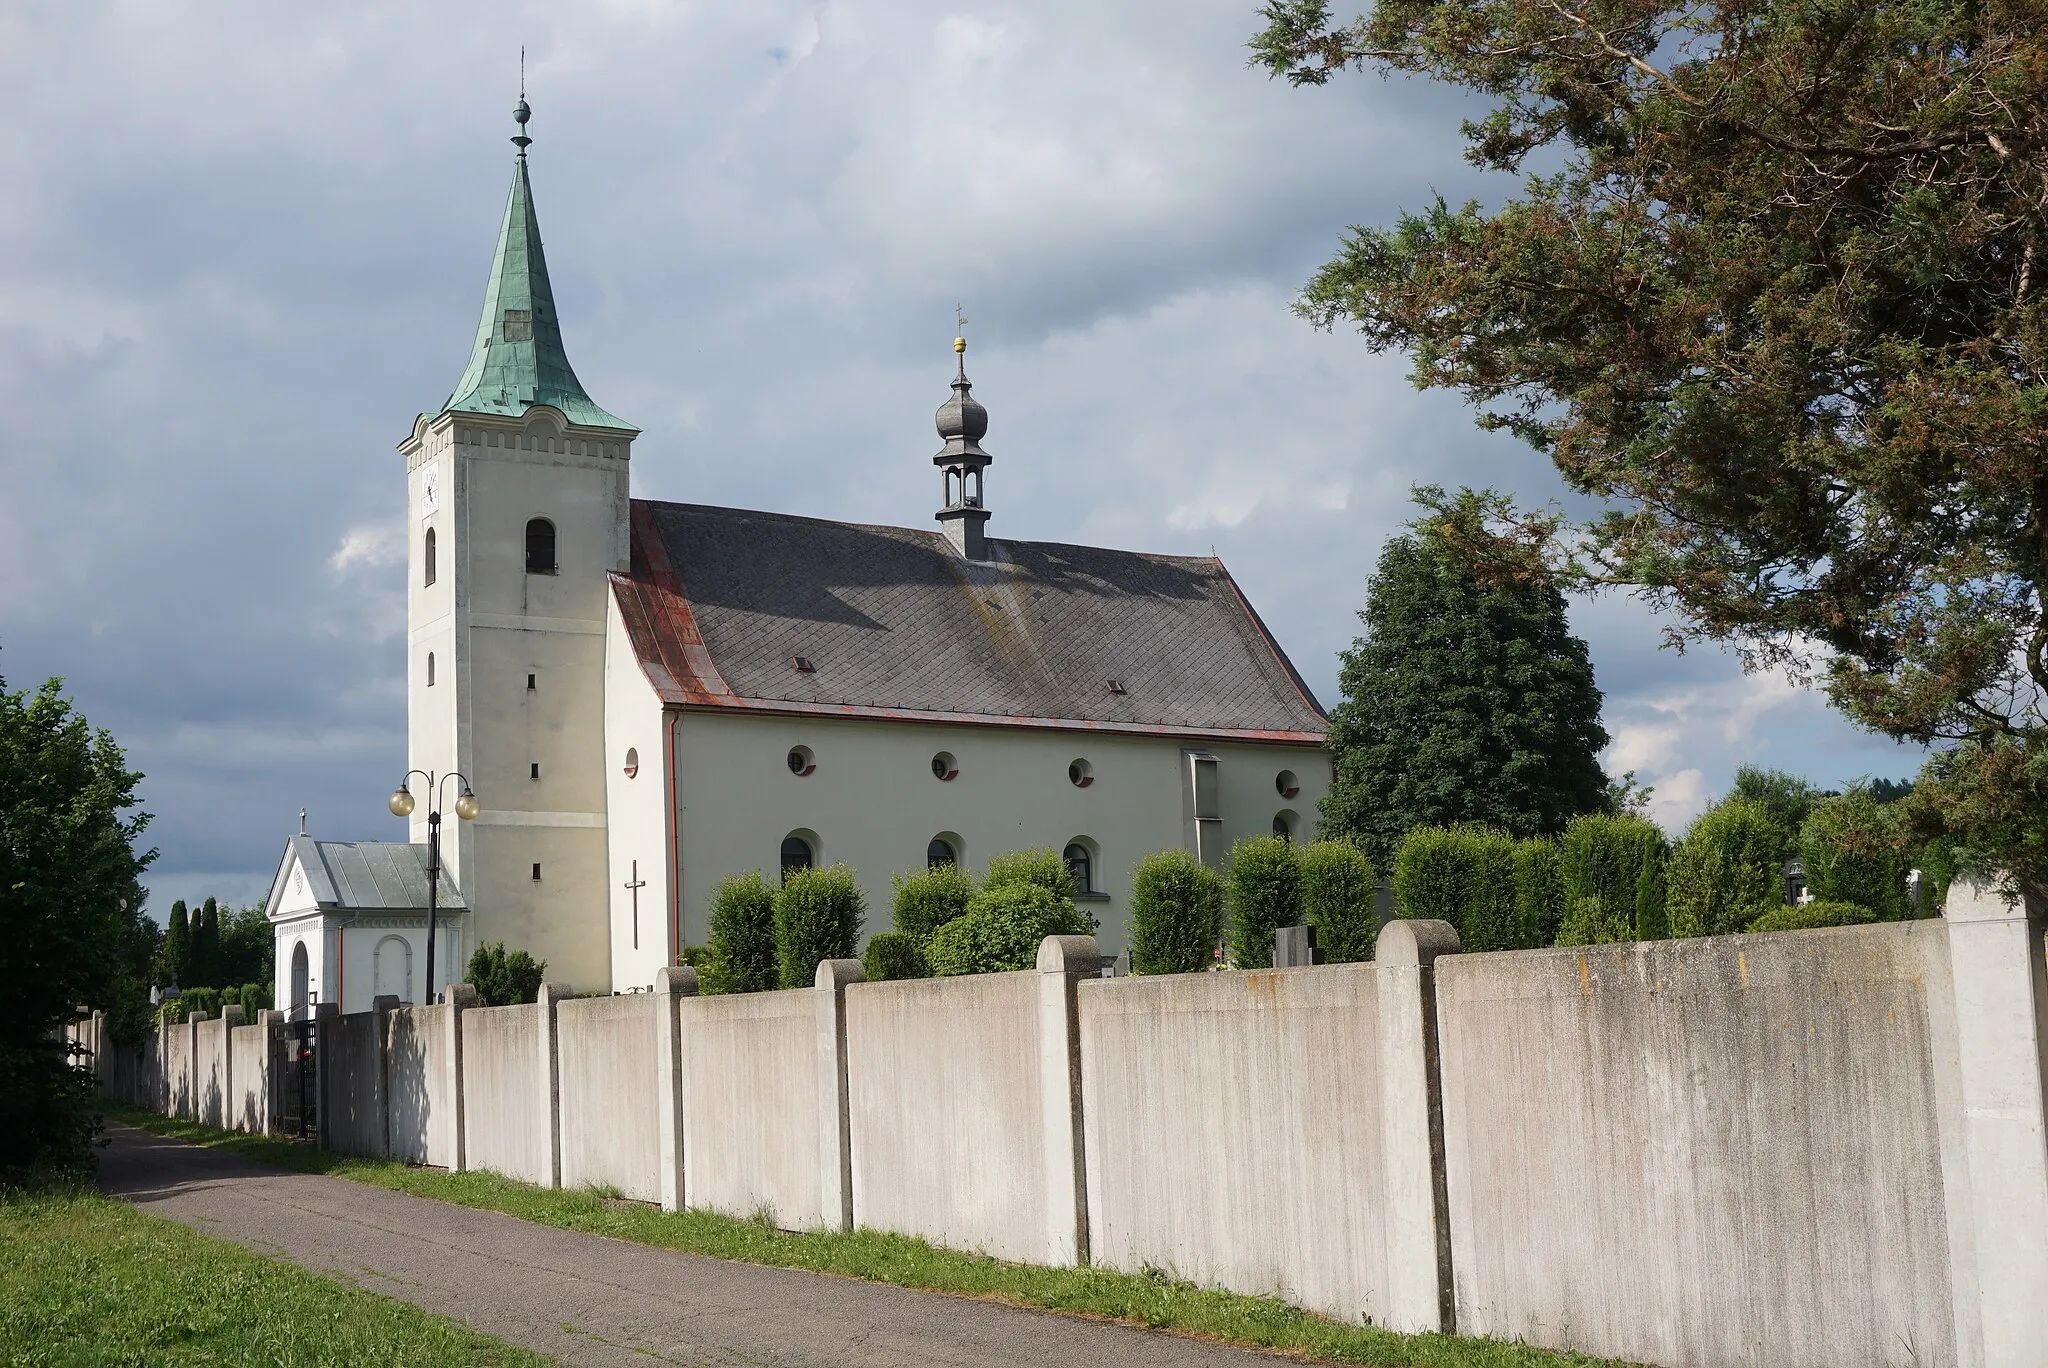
632	761
944	766
1287	784
1080	774
801	761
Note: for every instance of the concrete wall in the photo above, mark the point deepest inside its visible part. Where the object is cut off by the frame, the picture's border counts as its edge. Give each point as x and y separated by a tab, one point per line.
947	1118
1719	1151
249	1049
209	1071
874	803
178	1071
506	1117
350	1055
751	1114
1233	1132
608	1097
419	1078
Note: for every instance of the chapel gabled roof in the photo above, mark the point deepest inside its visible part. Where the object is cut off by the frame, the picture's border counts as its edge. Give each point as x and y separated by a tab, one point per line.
518	360
767	611
363	876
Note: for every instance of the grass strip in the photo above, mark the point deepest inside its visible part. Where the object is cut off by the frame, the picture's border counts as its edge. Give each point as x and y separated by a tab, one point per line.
87	1280
1151	1299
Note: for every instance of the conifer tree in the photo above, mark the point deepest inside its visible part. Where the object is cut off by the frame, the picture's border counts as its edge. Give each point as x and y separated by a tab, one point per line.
1462	702
178	946
206	946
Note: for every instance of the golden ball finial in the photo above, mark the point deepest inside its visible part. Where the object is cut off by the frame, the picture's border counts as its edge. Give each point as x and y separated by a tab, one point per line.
959	344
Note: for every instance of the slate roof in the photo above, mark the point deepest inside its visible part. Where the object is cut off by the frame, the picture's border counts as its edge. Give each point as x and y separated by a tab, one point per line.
369	876
893	623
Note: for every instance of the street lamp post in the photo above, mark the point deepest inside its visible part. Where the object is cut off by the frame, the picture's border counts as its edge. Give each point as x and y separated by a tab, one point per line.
466	807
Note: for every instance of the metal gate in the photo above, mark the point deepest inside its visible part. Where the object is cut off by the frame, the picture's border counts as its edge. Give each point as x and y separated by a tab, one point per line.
298	1102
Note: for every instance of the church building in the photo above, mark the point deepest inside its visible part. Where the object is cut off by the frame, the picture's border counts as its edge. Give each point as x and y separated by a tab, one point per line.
645	698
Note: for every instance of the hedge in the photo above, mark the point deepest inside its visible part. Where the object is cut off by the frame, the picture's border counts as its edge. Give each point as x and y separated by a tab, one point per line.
1725	873
1539	891
742	958
504	979
1001	930
1262	893
1464	875
818	913
1851	846
1038	865
1652	915
1430	874
1806	916
1590	921
1602	857
928	899
1338	891
1176	913
894	955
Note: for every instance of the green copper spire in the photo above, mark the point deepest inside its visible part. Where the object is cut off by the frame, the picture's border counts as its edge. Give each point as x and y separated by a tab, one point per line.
518	360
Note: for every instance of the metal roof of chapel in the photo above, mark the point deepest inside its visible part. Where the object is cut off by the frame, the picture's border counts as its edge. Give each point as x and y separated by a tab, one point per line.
771	612
364	876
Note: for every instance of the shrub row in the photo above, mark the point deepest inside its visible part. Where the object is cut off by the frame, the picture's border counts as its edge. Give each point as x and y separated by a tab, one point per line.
763	937
1603	880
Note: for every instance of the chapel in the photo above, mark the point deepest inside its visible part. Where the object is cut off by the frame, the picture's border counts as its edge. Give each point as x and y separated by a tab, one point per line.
642	698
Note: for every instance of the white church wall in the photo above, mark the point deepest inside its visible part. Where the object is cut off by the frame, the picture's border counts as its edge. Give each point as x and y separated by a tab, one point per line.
874	802
636	826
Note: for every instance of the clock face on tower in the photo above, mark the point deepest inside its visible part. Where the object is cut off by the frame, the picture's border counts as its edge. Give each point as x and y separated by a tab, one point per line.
430	491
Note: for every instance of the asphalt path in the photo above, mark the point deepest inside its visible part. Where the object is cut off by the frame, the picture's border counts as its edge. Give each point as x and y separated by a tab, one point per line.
586	1299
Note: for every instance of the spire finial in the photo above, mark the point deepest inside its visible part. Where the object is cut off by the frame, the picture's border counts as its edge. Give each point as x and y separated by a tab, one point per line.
960	342
521	112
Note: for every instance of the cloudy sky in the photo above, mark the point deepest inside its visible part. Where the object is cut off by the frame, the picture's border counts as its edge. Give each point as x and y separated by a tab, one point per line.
242	244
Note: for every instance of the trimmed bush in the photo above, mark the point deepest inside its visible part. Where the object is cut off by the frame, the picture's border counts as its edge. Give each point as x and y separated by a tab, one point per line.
894	955
1602	858
1262	893
1337	893
1001	929
1651	916
1176	913
1539	891
1589	921
502	979
818	913
1806	916
1039	865
742	956
1853	852
1726	872
1937	872
253	998
1464	875
1430	873
929	898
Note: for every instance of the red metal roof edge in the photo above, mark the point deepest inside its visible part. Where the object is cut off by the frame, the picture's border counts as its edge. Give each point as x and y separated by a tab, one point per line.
797	708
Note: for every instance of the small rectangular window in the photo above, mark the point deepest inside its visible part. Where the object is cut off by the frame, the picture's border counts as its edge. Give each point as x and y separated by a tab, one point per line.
536	873
536	769
530	685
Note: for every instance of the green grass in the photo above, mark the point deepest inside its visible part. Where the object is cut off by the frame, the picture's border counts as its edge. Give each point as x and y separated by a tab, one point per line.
1152	1300
88	1280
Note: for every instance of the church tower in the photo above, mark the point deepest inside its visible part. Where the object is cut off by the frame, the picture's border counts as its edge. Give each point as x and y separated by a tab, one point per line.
962	423
517	509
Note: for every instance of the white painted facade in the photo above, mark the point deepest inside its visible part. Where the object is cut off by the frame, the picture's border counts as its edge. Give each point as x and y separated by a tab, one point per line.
506	671
350	957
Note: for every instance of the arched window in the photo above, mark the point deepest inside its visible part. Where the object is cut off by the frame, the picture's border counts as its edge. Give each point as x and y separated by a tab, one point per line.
1081	865
1284	824
540	547
427	556
940	852
796	854
300	988
392	968
430	669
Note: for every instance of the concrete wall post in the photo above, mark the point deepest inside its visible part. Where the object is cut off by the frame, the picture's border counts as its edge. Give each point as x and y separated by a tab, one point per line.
326	1036
461	997
1062	962
272	1022
384	1004
551	994
2001	1006
1419	1294
192	1020
231	1017
835	1115
670	983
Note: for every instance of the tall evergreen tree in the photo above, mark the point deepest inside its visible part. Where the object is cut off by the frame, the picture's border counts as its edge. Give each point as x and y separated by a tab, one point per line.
1463	701
206	946
177	960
